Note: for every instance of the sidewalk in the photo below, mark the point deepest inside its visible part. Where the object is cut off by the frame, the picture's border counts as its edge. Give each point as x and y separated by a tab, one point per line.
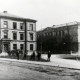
73	64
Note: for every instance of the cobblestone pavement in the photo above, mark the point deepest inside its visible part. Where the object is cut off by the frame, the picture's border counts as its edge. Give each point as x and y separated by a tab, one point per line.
29	71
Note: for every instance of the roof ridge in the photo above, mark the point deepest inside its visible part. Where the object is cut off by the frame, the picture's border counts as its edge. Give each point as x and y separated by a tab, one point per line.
8	15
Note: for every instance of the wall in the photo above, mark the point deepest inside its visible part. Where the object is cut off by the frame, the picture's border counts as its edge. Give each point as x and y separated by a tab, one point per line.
79	38
28	36
71	29
10	32
18	31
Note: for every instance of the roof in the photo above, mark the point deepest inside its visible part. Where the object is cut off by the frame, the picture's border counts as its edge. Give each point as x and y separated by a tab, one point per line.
59	26
46	29
66	24
11	16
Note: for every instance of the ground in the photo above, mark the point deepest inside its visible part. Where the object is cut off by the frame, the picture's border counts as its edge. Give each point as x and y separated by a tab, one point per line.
26	71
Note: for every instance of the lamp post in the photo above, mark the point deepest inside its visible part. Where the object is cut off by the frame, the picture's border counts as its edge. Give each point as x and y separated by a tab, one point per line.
41	43
2	45
41	40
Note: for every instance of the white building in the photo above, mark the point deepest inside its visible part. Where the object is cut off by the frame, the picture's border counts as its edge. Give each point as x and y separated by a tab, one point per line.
17	33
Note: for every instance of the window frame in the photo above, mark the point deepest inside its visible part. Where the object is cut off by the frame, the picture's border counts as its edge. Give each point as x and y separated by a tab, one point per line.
14	36
31	47
31	27
6	24
14	25
14	47
6	35
21	46
22	36
22	26
31	36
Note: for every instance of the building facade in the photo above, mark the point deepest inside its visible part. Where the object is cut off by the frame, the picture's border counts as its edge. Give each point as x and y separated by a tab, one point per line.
17	33
63	38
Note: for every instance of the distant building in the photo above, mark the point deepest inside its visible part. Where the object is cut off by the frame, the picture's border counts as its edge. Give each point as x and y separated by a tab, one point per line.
64	38
17	33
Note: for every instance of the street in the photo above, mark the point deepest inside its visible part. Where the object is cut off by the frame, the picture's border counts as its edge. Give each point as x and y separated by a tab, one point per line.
21	71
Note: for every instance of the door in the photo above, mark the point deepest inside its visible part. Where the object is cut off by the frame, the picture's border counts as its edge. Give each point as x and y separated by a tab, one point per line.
6	47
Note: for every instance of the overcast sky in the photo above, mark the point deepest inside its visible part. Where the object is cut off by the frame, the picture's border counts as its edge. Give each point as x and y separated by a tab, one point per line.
46	12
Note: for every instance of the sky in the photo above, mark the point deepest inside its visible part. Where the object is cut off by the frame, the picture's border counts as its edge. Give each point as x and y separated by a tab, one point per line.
46	12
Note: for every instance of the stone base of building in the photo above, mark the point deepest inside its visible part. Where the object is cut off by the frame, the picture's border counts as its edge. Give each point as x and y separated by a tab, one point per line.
4	54
31	52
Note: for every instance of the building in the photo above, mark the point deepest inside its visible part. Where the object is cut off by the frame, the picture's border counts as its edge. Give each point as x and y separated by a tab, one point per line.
63	38
17	33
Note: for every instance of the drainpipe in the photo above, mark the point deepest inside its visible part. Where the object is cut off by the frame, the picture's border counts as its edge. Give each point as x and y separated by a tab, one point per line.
25	37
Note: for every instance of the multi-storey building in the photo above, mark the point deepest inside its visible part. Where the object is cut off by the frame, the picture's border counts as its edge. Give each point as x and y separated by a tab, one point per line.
65	36
17	33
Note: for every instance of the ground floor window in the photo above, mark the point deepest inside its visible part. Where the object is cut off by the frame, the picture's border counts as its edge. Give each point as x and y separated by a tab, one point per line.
14	46
21	46
31	46
6	47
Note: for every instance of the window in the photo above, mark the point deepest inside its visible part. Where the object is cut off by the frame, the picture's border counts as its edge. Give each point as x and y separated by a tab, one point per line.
65	31
59	33
21	26
62	32
14	46
50	33
31	46
21	46
44	34
5	24
21	36
47	34
14	36
31	36
5	35
37	36
56	33
14	25
53	33
31	26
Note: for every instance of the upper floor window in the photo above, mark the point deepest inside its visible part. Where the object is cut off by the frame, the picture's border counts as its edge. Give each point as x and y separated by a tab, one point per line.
14	46
14	36
5	24
31	36
31	46
21	26
56	33
44	34
50	33
59	33
21	36
31	26
53	33
63	33
5	34
47	34
14	25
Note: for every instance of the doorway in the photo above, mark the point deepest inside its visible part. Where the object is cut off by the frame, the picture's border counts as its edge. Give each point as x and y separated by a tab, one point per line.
6	47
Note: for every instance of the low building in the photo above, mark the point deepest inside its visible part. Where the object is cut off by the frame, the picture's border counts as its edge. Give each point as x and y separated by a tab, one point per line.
17	33
63	38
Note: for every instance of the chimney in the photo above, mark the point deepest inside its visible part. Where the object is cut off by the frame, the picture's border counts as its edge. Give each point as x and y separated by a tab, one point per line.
53	26
4	11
